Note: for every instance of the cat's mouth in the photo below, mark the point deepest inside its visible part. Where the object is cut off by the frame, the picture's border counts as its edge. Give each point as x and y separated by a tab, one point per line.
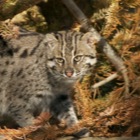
71	77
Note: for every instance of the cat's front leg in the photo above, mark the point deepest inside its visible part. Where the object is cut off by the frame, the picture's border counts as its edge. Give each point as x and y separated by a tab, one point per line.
62	108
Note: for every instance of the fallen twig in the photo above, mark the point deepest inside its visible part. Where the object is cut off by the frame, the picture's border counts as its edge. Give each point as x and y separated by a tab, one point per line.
108	79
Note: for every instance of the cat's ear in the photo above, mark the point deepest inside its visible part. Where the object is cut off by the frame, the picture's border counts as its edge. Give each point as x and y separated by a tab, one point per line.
90	39
50	41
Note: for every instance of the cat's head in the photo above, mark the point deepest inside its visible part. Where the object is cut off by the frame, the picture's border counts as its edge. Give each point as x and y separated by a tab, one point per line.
70	54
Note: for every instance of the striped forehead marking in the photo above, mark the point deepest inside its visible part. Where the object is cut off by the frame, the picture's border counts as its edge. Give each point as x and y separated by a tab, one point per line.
68	41
62	42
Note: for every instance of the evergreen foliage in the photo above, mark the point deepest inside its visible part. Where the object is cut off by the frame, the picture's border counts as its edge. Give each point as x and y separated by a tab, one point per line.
105	111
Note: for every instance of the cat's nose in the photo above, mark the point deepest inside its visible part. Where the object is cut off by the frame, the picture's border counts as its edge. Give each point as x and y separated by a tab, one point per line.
69	72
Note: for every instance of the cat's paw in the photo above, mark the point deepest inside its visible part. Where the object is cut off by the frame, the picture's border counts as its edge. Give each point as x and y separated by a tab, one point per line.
84	132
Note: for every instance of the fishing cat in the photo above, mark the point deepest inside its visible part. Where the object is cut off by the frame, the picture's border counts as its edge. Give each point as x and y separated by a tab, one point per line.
37	74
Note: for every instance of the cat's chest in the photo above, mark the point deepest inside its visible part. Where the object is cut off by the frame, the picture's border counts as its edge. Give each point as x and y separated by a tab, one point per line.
61	86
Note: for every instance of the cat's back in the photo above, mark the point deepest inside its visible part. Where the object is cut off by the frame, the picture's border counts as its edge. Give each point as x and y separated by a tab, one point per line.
16	56
16	51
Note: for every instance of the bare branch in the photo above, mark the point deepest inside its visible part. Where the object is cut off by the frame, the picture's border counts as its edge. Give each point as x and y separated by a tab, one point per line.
78	14
103	45
108	79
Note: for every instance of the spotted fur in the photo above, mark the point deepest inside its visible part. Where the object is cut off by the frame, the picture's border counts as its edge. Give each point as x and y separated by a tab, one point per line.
37	73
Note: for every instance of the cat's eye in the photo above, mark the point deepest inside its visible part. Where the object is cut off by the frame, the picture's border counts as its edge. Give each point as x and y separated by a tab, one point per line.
78	58
59	60
50	59
90	56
